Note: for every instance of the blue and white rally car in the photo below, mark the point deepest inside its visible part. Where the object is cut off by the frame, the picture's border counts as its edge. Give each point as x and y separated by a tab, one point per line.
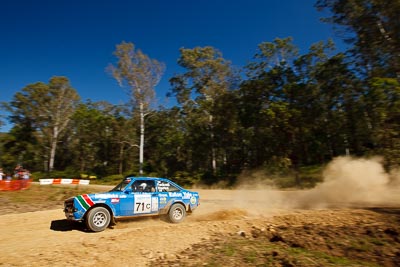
134	196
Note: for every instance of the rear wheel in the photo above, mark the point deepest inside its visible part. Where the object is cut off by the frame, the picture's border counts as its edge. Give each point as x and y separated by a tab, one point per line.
98	219
177	213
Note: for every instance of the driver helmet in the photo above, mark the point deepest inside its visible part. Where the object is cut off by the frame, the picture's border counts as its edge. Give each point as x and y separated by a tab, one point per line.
143	186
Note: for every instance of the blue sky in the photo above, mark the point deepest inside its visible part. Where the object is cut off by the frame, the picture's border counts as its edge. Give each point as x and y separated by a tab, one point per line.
76	39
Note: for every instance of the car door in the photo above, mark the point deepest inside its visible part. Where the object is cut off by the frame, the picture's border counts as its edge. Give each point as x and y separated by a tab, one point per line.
141	199
124	205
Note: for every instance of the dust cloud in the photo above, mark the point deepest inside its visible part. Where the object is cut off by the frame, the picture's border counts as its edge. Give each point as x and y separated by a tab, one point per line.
347	182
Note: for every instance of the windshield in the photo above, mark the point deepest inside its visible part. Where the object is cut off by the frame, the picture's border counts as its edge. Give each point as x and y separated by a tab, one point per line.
121	186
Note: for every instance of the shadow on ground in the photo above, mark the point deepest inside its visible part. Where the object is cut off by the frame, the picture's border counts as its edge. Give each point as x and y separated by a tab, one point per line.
65	226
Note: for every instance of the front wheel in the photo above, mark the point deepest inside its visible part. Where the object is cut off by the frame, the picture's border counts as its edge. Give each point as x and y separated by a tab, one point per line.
98	219
177	213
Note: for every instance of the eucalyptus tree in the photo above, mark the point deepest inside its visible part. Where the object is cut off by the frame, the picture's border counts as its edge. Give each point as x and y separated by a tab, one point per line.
48	109
140	74
20	146
270	55
102	137
372	27
208	76
382	113
119	132
265	111
87	126
167	149
339	117
298	109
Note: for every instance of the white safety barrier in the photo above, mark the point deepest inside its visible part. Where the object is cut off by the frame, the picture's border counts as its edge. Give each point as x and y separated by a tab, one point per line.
63	181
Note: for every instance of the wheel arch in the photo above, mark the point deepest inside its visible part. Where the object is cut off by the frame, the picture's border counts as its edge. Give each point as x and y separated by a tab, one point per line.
168	207
179	202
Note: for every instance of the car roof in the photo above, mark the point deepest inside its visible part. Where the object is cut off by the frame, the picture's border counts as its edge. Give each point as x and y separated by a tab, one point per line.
153	179
145	178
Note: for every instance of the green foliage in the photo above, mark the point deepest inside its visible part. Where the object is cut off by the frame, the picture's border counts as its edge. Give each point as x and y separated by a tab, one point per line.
185	178
372	27
20	146
280	175
43	111
109	180
52	196
68	174
235	251
38	175
289	113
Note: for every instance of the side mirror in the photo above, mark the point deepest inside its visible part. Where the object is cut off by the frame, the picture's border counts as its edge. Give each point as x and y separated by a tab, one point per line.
128	190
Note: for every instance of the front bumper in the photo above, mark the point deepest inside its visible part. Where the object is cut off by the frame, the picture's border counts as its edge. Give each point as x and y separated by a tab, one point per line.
69	209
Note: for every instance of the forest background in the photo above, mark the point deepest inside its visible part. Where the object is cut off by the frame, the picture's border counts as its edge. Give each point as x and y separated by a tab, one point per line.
281	117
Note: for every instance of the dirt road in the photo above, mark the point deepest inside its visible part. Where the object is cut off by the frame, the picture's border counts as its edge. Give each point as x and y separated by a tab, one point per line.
44	238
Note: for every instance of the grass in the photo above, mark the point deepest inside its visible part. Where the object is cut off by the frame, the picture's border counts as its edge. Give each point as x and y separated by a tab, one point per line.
377	242
48	193
260	252
228	250
308	176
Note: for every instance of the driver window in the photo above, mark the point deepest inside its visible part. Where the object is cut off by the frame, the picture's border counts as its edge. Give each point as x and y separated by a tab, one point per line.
143	186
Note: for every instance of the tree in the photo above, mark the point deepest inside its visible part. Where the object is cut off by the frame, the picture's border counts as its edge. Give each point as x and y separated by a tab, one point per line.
48	109
382	108
298	110
1	121
121	134
267	110
166	137
373	27
279	53
102	137
140	74
20	146
208	76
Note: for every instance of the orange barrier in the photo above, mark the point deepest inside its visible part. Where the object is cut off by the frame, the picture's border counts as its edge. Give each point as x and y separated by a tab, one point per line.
13	185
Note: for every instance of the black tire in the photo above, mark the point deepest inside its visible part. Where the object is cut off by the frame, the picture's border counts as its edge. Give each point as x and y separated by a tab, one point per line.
177	213
98	219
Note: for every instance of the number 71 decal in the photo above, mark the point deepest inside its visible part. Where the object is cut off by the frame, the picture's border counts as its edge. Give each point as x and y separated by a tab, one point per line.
145	204
142	207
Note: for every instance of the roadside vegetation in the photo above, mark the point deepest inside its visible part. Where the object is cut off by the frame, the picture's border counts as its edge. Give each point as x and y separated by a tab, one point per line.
38	197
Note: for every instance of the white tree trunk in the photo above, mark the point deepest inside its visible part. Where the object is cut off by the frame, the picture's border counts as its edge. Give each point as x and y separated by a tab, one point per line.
121	156
53	148
141	146
213	157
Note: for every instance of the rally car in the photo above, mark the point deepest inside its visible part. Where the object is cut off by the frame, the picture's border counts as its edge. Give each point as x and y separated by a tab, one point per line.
134	196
